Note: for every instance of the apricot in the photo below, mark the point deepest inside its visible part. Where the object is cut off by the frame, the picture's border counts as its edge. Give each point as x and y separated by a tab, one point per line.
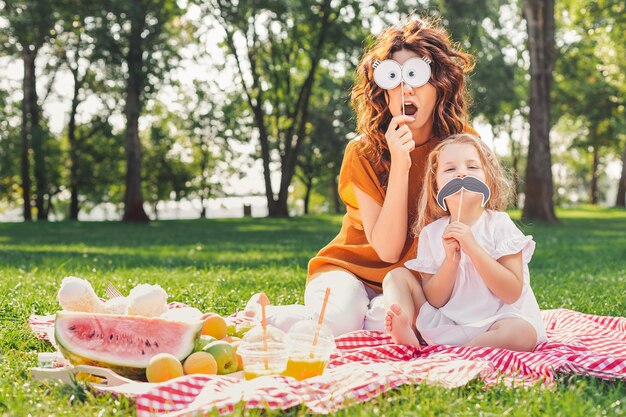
163	367
215	326
200	363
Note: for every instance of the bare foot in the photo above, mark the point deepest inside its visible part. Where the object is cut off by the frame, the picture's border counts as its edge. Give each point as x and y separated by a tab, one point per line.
253	307
399	328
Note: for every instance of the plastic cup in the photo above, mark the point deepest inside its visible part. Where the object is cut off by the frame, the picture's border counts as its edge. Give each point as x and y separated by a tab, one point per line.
259	361
305	359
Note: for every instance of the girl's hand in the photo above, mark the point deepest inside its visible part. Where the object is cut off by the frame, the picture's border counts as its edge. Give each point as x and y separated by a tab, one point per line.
400	141
462	233
452	249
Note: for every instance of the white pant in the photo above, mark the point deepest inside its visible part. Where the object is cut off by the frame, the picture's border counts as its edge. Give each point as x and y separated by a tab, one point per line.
351	305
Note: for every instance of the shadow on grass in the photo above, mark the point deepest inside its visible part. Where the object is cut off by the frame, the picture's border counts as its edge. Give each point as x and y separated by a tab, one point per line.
233	243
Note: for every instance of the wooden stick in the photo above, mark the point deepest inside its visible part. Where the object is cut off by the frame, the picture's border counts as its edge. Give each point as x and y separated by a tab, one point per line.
458	217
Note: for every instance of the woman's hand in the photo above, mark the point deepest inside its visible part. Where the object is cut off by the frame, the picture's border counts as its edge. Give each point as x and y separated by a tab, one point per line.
400	141
461	233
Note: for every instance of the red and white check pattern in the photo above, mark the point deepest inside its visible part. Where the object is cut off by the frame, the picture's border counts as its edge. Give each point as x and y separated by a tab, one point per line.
368	363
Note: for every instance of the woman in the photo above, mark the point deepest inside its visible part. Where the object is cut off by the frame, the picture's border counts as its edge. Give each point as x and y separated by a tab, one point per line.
382	174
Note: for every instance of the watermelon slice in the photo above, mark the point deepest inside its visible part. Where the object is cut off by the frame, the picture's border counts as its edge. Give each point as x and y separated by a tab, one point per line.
124	344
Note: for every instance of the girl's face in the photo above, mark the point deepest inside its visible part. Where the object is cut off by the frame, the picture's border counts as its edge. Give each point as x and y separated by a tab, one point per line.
459	160
419	102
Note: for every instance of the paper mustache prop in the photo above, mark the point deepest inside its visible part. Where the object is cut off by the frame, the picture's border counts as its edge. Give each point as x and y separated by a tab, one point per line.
457	184
389	73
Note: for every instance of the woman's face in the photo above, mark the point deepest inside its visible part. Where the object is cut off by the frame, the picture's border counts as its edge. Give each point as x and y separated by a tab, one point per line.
419	102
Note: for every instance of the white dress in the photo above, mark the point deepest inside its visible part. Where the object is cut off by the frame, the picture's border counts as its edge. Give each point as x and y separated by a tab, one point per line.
472	307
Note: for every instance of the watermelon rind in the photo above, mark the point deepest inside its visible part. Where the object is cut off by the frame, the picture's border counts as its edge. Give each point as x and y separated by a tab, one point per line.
124	344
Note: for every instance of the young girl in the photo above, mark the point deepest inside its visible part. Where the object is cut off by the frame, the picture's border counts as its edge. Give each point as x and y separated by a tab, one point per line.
473	260
409	95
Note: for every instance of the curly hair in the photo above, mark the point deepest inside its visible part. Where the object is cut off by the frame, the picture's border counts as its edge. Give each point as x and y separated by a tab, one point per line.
427	38
496	178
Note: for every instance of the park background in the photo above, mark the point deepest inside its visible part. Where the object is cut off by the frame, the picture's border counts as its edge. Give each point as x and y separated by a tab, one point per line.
181	109
154	110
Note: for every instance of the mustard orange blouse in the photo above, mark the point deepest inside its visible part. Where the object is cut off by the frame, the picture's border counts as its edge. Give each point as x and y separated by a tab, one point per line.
350	249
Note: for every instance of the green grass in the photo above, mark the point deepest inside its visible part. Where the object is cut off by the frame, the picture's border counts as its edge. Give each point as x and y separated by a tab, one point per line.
217	264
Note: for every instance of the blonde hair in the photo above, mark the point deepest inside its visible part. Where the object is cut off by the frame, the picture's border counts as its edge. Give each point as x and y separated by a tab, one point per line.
496	178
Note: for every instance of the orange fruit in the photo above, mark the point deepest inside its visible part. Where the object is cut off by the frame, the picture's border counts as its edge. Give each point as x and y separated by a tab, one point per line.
200	363
163	367
215	325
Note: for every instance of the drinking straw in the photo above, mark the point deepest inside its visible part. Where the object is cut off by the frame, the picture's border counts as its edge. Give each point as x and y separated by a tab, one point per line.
321	319
402	89
264	324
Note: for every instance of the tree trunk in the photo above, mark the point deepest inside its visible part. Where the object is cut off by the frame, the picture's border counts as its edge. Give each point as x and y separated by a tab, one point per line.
593	192
38	139
28	59
307	195
203	211
620	201
288	163
538	190
133	199
205	192
71	135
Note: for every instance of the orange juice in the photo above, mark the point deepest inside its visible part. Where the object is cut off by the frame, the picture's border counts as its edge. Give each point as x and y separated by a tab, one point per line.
249	374
302	368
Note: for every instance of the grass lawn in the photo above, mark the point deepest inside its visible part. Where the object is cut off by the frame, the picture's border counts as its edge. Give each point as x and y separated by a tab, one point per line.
216	265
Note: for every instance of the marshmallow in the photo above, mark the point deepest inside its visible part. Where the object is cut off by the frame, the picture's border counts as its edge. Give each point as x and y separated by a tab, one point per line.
147	300
76	294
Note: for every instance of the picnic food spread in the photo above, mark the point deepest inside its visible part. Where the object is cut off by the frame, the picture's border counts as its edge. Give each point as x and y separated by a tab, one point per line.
138	336
141	338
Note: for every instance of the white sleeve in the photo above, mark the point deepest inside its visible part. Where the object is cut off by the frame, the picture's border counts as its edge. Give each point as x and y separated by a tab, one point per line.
510	240
425	261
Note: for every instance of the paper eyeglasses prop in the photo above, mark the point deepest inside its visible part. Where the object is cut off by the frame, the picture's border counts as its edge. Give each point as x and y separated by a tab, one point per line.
457	184
389	74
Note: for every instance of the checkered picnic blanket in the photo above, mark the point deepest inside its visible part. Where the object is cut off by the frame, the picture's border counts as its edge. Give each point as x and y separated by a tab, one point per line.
368	363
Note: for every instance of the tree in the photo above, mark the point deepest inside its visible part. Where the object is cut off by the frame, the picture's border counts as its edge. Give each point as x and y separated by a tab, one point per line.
538	190
166	176
583	93
213	121
145	35
99	164
283	45
331	124
31	24
77	48
590	83
10	142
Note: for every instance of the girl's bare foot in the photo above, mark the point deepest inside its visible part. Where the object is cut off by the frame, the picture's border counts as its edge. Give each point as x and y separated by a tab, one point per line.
398	326
253	307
